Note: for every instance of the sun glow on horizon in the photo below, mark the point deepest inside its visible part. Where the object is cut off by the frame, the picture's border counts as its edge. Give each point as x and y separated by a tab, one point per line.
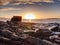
30	16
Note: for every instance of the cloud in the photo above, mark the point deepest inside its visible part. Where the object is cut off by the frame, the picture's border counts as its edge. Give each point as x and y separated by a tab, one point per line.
9	9
49	1
16	2
4	2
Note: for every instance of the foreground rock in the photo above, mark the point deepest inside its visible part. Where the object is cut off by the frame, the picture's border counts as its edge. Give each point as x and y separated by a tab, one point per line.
10	35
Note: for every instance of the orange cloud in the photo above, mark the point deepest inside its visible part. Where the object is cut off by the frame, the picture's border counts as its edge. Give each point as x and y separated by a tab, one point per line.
9	9
49	1
5	2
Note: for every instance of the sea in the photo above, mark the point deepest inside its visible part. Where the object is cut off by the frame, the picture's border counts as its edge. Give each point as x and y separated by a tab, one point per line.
37	20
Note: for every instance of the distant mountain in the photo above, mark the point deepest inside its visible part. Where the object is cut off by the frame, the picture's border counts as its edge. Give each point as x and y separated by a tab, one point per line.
4	19
50	19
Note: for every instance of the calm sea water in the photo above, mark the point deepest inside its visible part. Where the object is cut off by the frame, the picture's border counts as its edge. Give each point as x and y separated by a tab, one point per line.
42	21
36	20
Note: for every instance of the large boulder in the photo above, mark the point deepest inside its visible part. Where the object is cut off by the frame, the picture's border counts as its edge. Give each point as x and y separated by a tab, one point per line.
16	18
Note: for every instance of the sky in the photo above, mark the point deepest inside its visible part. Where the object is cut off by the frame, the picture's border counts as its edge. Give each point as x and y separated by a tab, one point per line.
40	8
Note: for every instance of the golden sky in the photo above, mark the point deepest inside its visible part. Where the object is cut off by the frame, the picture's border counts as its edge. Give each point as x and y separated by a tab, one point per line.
16	10
38	15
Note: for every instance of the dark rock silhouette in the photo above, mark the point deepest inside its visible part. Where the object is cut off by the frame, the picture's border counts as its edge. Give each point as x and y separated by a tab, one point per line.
16	18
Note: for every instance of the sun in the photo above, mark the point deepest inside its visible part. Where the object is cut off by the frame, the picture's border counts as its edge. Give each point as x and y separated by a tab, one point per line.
30	16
